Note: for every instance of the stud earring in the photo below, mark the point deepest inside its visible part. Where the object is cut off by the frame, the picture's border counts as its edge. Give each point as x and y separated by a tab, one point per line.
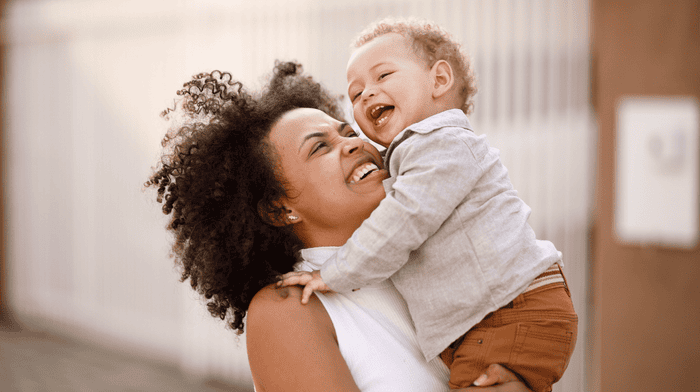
292	217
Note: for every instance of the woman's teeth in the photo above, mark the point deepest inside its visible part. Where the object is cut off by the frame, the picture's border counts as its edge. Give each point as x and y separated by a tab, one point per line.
362	171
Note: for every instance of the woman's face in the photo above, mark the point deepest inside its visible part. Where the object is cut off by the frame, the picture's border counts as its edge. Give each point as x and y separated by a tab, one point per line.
334	178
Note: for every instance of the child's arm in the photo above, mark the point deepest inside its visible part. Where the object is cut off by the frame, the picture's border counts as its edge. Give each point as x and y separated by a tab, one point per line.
434	174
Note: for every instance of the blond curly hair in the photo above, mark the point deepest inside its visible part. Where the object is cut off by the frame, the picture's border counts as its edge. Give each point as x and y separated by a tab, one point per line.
431	43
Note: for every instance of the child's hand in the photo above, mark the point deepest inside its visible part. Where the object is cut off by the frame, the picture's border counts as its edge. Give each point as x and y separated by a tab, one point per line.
311	280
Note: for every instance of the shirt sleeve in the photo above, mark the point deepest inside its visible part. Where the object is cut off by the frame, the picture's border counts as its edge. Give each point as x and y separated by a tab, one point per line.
434	174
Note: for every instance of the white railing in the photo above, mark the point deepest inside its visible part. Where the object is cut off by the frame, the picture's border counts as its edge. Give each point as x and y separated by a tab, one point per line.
85	82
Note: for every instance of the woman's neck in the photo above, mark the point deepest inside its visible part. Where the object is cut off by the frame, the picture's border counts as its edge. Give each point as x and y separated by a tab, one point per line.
318	237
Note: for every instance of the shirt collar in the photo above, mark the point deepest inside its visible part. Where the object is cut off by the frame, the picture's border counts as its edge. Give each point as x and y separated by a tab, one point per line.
448	118
313	258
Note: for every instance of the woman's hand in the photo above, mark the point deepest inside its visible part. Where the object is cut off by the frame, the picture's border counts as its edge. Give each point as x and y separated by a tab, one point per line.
310	280
497	379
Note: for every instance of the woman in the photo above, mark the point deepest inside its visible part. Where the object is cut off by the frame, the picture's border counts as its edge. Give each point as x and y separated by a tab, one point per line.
259	185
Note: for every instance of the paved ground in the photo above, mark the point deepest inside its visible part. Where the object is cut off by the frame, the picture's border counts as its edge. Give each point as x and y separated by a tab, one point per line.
36	361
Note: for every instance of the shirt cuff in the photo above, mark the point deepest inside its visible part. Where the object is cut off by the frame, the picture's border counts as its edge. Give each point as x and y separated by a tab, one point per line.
334	278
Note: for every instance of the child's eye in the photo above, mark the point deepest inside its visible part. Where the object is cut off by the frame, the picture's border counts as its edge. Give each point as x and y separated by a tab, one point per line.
384	75
354	97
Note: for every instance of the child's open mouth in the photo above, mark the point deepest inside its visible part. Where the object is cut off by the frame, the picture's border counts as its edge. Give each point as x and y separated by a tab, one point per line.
379	114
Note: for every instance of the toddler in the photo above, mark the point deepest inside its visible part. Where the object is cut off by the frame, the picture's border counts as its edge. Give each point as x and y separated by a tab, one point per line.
451	233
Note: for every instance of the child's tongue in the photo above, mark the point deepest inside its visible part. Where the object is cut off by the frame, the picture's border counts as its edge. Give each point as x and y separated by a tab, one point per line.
384	115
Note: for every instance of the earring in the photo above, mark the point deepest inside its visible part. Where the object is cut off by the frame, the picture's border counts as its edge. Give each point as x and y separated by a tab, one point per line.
292	217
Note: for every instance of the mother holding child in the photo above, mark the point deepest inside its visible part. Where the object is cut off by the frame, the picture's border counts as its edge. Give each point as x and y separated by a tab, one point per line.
260	185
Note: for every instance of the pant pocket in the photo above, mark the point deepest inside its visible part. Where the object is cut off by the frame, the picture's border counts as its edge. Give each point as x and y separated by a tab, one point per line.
541	352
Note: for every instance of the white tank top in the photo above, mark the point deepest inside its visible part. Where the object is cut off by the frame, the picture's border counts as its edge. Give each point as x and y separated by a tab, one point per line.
376	336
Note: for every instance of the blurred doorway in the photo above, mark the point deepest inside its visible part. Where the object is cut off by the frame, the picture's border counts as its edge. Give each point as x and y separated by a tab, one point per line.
646	299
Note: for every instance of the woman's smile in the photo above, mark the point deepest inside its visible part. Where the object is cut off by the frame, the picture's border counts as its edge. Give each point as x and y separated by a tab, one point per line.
362	171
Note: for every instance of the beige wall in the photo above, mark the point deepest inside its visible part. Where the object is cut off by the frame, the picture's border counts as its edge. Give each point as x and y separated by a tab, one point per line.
646	299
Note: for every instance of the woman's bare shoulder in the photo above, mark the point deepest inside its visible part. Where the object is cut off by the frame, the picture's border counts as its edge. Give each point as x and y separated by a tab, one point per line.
292	346
276	306
271	295
277	299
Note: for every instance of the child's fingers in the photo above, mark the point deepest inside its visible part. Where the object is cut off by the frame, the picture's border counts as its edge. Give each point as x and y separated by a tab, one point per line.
291	280
306	294
291	275
320	286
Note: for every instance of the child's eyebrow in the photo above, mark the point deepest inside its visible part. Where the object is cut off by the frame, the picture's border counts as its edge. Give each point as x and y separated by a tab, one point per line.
379	64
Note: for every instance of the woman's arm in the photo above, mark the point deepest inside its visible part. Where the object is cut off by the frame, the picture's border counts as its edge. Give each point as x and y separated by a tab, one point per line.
293	347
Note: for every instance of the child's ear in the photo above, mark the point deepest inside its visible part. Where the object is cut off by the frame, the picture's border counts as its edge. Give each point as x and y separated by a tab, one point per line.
270	214
443	78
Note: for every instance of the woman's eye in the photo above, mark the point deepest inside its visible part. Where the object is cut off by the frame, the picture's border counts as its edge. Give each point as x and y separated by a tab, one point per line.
352	134
317	147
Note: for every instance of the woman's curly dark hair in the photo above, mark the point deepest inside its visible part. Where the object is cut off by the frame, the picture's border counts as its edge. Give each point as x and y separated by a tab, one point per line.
217	173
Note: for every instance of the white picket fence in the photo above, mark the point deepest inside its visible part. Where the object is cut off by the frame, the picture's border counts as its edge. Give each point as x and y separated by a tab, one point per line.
86	80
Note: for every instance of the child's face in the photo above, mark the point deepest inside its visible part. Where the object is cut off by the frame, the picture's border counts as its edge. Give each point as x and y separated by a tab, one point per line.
390	87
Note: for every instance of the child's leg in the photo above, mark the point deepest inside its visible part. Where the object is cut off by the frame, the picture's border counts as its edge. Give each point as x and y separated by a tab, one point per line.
534	336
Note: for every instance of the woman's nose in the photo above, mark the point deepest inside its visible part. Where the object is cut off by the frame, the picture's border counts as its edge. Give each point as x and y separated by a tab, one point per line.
353	145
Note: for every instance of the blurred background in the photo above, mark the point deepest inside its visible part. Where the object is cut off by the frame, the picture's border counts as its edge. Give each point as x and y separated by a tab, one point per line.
90	299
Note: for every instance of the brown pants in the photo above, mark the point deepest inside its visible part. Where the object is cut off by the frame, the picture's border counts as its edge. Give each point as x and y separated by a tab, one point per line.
533	336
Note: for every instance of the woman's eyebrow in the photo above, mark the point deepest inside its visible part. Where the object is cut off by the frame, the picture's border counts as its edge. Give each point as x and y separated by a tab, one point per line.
341	126
311	136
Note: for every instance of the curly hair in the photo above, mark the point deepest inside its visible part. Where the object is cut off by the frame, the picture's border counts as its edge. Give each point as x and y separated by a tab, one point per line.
218	171
431	43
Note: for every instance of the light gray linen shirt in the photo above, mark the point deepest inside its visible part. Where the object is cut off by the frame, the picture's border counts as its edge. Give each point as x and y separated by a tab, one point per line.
451	233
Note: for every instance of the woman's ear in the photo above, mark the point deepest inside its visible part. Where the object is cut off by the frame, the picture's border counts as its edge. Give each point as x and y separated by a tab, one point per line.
292	217
443	78
270	214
